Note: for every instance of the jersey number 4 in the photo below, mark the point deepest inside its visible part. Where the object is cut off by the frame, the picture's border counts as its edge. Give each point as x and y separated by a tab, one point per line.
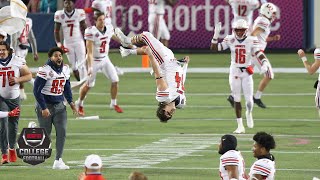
57	86
179	81
6	75
240	56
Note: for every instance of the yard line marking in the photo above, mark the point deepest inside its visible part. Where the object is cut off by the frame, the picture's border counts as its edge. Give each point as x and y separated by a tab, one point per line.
197	94
160	168
164	150
214	151
152	106
179	119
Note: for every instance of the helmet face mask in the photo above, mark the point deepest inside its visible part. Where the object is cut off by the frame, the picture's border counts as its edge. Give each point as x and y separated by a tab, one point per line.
269	10
240	29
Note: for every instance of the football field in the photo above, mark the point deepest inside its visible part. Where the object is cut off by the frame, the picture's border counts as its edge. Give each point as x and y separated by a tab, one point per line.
186	147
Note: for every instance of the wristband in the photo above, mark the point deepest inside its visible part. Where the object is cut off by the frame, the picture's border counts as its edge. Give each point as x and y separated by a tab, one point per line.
158	77
303	59
214	41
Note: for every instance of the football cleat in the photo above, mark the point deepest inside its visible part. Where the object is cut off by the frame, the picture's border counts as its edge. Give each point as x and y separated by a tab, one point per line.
4	159
117	108
59	164
249	119
12	155
124	52
259	103
231	101
239	130
79	108
125	41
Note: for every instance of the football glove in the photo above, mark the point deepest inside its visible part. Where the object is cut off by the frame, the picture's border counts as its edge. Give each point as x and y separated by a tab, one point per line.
14	113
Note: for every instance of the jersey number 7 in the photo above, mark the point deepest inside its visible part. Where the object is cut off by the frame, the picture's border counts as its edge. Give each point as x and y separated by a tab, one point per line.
6	75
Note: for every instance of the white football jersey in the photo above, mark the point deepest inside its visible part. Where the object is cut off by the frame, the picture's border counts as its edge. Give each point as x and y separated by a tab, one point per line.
12	69
264	167
241	52
100	40
104	6
243	9
316	55
23	36
156	6
54	82
173	73
70	25
232	158
263	23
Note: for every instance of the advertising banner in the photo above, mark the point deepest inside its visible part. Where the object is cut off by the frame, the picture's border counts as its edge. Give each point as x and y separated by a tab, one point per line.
191	22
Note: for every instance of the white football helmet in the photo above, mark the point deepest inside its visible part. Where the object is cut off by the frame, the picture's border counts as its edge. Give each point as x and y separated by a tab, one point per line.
4	34
240	24
269	10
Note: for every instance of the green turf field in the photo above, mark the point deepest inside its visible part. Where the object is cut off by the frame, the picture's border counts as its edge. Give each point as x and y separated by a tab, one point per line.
186	147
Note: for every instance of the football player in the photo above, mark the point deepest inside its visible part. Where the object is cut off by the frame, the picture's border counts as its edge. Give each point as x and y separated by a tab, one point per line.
14	71
97	42
264	167
21	42
232	165
241	46
243	9
72	22
312	68
51	87
170	73
157	24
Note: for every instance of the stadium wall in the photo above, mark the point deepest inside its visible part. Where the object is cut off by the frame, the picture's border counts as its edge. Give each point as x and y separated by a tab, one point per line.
191	22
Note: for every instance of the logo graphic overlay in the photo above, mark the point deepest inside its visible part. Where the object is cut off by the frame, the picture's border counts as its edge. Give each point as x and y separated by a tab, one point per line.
34	145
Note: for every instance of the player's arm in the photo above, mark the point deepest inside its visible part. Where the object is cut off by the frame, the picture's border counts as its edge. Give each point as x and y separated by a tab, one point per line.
25	75
273	38
311	68
171	2
257	31
14	40
232	171
215	46
263	59
160	82
83	26
257	177
57	38
33	42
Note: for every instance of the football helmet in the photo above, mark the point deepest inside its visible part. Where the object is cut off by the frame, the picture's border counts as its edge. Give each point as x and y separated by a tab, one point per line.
269	10
240	28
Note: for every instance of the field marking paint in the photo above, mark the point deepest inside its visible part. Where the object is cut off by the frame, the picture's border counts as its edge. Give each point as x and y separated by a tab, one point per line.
178	119
164	150
160	168
197	94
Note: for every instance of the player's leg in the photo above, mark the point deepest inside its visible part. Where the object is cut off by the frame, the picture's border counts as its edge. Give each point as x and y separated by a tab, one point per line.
268	76
110	72
235	83
3	134
22	53
154	25
12	129
96	66
71	55
247	87
164	32
60	124
317	98
81	61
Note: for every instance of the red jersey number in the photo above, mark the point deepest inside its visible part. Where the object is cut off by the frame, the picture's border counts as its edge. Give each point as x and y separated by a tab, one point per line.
57	86
179	81
153	2
103	46
5	76
242	10
71	29
240	56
